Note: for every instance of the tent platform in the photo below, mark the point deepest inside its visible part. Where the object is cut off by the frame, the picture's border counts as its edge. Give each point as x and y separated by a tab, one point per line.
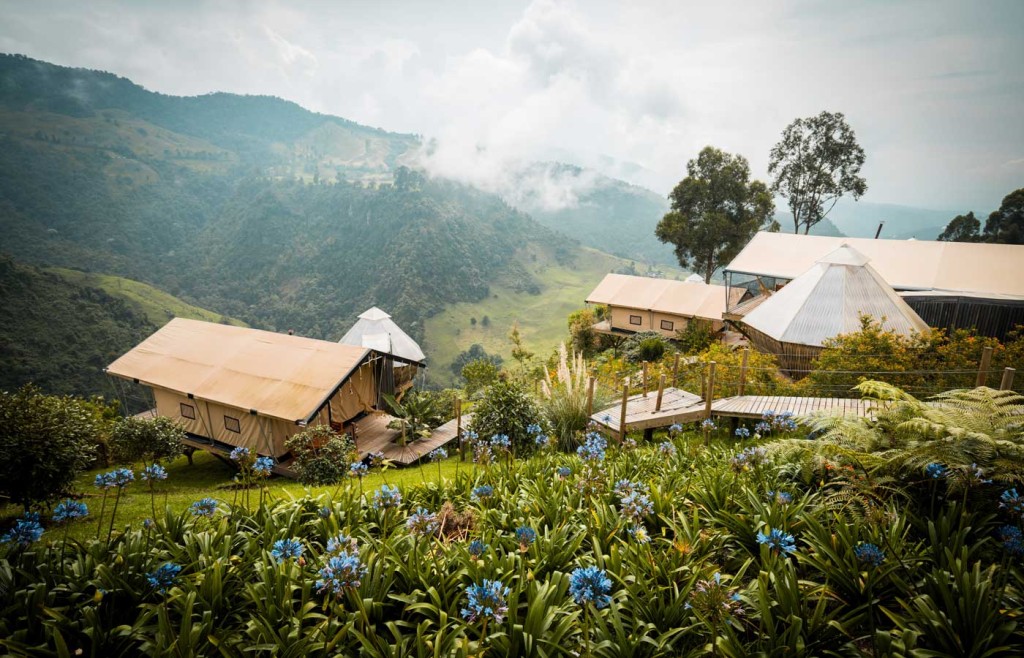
682	407
373	435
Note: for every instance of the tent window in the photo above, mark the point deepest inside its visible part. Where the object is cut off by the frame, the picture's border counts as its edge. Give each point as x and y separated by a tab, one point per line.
636	319
232	425
187	411
667	325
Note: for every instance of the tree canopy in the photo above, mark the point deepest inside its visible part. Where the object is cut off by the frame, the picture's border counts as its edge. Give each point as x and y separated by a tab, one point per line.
816	162
1003	226
716	210
963	228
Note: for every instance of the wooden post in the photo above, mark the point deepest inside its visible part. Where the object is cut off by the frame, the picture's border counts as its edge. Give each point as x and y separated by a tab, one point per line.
986	362
661	392
590	395
675	371
458	428
743	371
710	390
1007	382
622	413
703	384
645	379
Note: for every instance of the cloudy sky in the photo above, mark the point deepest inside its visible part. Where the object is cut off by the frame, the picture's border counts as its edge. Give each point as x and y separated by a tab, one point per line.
934	89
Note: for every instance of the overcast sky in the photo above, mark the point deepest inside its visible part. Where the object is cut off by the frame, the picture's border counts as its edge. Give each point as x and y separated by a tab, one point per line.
934	89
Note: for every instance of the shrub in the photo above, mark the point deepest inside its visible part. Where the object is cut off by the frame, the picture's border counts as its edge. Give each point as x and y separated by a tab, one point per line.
697	336
506	408
45	442
138	439
322	456
644	346
479	375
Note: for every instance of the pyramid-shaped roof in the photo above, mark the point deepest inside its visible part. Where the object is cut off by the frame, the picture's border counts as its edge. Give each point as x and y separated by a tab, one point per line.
828	300
376	330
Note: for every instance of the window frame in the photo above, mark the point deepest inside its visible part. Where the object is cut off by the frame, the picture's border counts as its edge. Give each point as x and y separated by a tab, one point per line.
182	406
238	424
639	320
671	325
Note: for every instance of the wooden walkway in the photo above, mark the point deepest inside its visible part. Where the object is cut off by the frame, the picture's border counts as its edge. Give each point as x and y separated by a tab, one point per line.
373	435
679	406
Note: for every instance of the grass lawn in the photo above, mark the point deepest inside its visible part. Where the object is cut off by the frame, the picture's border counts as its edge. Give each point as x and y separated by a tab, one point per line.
209	477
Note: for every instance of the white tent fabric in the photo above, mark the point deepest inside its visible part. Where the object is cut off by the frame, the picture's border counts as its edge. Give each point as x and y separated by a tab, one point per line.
376	330
828	300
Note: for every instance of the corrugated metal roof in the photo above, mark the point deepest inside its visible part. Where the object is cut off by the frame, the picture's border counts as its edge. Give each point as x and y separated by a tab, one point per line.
375	329
278	375
828	300
684	298
979	269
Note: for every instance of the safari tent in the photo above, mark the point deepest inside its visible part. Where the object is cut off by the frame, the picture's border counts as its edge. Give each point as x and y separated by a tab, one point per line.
234	386
377	331
823	302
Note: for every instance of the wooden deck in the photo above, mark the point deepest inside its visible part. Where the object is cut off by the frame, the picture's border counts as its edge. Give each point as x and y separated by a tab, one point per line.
373	435
682	407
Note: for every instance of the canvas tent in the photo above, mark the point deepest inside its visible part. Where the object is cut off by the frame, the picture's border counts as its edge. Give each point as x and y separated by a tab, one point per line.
376	330
823	302
236	386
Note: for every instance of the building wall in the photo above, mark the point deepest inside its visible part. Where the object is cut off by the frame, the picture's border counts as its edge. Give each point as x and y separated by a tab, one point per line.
651	321
988	317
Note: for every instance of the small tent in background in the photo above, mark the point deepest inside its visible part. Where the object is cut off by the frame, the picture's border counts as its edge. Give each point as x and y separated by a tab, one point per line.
377	331
823	302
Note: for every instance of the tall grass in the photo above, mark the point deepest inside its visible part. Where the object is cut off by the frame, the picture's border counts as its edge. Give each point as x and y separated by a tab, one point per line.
564	399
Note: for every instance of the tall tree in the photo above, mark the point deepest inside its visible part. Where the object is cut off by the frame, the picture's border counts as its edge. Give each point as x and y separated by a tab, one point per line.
715	211
815	163
1006	225
962	228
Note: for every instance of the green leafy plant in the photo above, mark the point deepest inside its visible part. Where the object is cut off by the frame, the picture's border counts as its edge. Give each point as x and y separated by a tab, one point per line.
322	456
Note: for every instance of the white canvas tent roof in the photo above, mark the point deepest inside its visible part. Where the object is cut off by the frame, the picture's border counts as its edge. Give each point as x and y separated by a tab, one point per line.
281	376
829	298
982	270
376	330
684	298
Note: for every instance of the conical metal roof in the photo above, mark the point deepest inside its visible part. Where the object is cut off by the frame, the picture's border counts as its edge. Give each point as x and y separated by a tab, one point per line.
828	300
376	330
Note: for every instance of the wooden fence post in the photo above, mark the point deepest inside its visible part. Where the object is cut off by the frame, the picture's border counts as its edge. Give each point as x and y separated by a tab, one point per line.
1007	382
675	371
590	396
645	379
458	428
622	413
661	392
743	371
986	362
710	390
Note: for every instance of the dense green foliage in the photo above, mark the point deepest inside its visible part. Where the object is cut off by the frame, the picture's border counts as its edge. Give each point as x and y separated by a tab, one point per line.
45	441
645	346
506	408
148	440
1005	225
322	456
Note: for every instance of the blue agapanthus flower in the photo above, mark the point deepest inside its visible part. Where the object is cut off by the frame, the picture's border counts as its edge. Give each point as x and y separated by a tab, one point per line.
542	440
935	471
869	554
69	510
525	535
625	487
118	478
708	424
422	522
286	549
667	449
325	512
263	466
533	429
763	427
164	577
1012	539
777	540
749	458
501	441
343	543
486	600
476	548
26	531
342	572
593	448
102	481
742	433
239	454
387	497
154	472
358	470
437	454
639	533
1012	501
205	507
148	524
977	475
636	506
482	493
376	458
675	428
781	497
563	472
590	586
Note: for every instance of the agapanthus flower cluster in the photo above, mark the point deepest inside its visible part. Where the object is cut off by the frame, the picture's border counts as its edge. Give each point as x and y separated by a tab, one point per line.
781	497
165	577
205	507
635	506
713	601
481	493
69	510
629	443
342	572
533	429
437	454
778	541
1012	539
240	454
590	586
749	458
1012	501
742	433
287	549
639	533
869	554
593	448
263	466
343	543
26	531
542	441
482	452
708	425
563	472
386	497
675	428
762	427
118	478
422	522
501	442
486	601
935	471
358	470
625	487
324	512
476	548
667	449
525	535
779	421
154	472
976	476
376	458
